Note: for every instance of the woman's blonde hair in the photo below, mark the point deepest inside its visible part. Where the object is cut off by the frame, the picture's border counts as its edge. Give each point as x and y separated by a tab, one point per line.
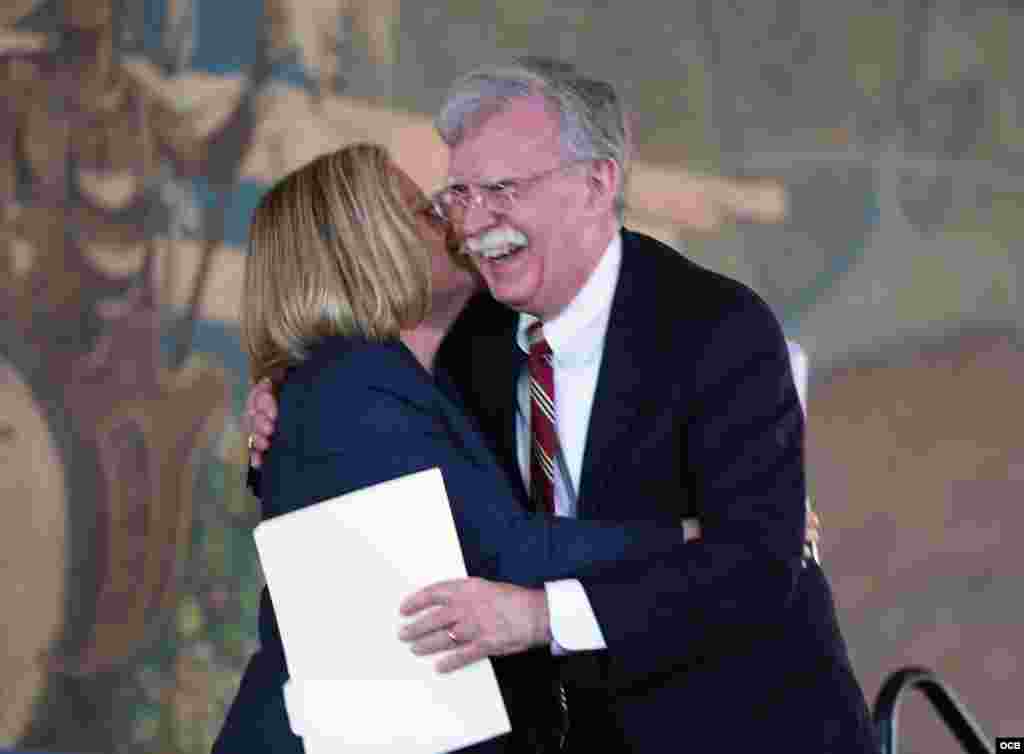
333	250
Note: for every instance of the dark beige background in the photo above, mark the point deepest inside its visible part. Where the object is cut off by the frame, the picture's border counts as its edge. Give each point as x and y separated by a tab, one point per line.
859	164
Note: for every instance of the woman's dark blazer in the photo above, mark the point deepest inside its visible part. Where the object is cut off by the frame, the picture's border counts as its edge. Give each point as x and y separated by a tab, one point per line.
356	413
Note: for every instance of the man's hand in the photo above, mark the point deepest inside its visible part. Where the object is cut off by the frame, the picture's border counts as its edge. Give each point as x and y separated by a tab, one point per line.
260	416
473	618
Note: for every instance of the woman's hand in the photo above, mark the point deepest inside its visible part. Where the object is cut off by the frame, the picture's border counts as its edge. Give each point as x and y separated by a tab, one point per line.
691	529
259	420
813	533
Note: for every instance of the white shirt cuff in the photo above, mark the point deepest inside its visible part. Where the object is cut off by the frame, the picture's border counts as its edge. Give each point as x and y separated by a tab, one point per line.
573	623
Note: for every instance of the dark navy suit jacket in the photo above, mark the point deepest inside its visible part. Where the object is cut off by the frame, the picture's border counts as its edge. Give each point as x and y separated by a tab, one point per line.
356	413
695	414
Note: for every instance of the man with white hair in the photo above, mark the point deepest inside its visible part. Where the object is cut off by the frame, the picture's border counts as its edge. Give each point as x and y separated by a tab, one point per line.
667	394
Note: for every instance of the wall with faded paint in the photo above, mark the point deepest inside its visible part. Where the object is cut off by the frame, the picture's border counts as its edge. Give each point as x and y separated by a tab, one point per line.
860	166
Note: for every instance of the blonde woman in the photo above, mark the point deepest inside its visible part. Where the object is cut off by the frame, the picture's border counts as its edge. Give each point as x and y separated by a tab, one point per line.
350	287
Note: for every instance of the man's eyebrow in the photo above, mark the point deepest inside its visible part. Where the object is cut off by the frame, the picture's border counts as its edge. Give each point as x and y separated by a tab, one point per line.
484	181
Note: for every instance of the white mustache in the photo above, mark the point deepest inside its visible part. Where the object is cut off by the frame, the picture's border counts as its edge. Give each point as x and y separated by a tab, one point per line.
493	242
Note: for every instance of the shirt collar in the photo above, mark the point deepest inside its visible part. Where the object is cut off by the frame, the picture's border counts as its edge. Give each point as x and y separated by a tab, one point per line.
577	333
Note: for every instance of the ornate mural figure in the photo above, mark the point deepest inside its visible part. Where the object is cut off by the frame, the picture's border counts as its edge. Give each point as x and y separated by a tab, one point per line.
90	144
874	201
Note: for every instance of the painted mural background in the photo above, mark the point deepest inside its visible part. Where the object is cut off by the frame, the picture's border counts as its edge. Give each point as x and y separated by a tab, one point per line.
861	165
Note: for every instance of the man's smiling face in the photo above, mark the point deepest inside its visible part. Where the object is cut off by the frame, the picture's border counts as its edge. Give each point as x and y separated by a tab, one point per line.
528	247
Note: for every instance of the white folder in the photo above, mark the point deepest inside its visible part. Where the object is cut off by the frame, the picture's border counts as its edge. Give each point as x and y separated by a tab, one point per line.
337	571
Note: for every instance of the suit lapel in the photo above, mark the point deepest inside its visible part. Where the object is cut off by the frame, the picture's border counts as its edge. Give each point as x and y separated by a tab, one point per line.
626	384
497	362
513	360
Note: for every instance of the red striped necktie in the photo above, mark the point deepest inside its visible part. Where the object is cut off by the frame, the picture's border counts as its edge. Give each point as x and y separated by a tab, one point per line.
544	441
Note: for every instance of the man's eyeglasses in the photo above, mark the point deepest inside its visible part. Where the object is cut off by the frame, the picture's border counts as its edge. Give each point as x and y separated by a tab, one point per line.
497	196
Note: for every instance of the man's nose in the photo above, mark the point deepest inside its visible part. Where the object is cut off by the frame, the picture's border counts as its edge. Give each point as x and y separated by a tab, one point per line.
471	219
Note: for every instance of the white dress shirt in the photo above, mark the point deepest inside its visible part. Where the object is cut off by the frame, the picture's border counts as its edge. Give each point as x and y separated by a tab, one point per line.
576	337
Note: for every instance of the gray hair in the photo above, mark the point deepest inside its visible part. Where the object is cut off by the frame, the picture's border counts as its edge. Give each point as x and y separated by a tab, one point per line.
591	116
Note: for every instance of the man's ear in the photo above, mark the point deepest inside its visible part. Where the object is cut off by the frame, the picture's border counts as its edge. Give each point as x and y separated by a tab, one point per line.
603	182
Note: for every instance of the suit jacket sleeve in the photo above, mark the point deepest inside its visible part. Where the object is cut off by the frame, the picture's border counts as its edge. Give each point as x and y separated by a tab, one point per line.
367	433
252	480
744	453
